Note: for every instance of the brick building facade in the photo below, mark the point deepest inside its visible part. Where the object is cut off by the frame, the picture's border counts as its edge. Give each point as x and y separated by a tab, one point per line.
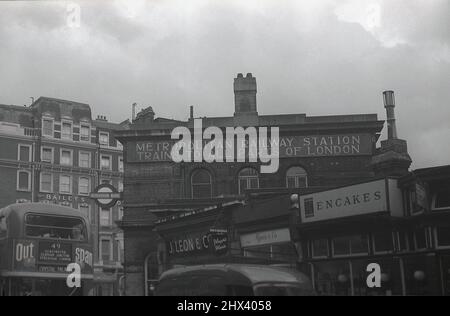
315	153
54	152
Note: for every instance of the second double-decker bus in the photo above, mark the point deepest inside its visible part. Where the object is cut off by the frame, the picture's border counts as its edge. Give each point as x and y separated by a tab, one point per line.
38	243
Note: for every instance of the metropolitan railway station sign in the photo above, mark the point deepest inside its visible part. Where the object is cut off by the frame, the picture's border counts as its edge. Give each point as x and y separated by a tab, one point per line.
289	146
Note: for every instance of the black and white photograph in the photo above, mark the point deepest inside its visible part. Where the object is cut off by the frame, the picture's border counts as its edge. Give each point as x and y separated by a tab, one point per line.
208	149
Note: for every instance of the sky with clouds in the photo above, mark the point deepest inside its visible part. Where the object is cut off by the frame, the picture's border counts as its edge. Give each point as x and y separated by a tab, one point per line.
316	57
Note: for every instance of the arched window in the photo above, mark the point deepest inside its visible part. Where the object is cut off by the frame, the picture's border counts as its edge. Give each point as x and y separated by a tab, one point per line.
248	179
296	177
201	184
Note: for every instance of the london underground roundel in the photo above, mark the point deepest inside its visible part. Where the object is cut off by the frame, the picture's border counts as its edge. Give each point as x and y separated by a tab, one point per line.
106	195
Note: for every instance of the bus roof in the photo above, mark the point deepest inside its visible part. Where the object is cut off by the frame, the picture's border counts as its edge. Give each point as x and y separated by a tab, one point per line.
255	273
21	209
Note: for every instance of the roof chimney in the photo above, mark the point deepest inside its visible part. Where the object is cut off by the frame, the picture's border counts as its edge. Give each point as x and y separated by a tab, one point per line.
133	111
389	104
245	94
191	112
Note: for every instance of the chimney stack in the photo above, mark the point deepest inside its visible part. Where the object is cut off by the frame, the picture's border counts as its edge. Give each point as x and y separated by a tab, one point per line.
389	104
191	112
133	112
245	94
392	158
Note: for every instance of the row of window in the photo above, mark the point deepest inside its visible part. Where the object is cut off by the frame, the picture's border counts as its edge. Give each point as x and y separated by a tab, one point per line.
107	253
382	243
67	131
201	181
66	185
66	157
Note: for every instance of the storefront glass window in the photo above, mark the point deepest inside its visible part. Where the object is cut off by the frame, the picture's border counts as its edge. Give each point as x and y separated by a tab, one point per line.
402	241
350	245
319	248
383	242
443	236
420	240
332	278
359	244
421	276
282	252
341	246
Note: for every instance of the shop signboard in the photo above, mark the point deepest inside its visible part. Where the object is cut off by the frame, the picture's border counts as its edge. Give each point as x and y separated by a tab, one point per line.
266	237
198	244
376	196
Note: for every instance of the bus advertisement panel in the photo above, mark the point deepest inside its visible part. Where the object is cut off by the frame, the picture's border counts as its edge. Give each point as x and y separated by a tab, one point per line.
50	256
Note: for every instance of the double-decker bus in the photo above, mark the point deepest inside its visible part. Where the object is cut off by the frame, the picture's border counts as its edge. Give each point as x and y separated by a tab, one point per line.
38	242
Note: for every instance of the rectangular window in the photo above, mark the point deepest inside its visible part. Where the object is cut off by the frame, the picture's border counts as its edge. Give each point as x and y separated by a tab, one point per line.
441	200
46	182
402	241
66	130
85	210
47	127
420	239
23	180
319	248
120	186
56	227
106	162
84	186
103	138
25	153
106	249
84	160
120	250
359	244
296	182
105	181
66	157
120	213
382	242
443	236
85	133
309	208
120	164
3	228
65	184
350	245
105	217
341	246
47	154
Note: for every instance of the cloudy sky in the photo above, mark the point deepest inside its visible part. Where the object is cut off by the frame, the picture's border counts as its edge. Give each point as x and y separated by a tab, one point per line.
314	57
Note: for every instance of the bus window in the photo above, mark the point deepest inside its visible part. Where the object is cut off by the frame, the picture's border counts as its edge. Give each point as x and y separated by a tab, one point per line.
55	227
3	227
